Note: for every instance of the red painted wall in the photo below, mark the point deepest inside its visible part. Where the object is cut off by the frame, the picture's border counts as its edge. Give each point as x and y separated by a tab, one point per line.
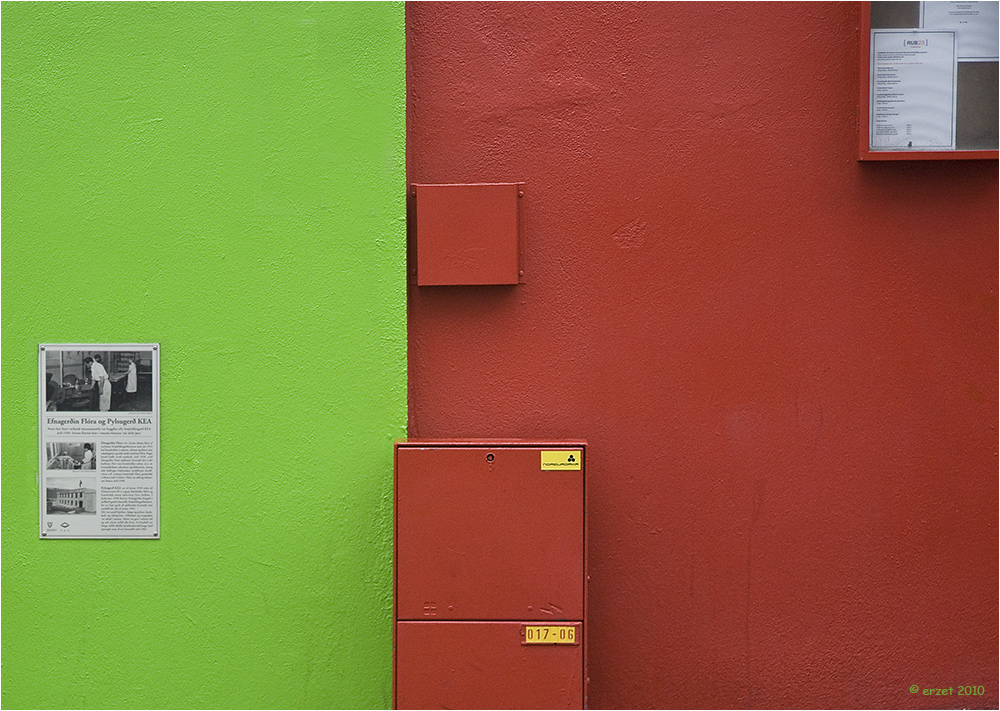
785	361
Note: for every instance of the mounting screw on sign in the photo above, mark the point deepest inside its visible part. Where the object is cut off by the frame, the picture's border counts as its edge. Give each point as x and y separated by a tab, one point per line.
561	459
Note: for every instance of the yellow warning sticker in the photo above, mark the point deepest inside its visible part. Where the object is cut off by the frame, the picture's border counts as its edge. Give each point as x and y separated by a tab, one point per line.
562	459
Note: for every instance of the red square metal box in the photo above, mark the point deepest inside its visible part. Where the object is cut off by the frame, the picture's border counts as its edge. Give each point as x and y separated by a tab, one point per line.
490	542
467	234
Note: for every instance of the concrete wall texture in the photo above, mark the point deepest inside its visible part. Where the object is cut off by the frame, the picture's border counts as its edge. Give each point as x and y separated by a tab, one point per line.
227	180
785	361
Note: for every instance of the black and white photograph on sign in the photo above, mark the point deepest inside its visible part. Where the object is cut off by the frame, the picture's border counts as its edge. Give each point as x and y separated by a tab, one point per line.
71	455
99	440
98	380
71	495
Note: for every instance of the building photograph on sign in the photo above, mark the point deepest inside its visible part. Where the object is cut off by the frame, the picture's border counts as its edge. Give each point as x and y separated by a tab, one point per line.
98	409
69	495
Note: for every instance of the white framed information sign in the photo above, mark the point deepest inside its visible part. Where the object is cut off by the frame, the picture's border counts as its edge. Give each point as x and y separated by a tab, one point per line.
99	440
913	90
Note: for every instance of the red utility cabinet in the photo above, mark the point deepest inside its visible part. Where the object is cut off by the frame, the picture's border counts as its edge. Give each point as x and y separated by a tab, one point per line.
490	575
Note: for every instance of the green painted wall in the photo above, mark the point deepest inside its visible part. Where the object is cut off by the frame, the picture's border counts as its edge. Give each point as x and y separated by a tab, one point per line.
228	180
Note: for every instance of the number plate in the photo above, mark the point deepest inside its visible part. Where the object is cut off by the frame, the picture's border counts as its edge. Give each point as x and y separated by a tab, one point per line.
549	634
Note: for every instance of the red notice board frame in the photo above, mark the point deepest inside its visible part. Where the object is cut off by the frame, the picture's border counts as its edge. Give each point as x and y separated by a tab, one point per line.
864	109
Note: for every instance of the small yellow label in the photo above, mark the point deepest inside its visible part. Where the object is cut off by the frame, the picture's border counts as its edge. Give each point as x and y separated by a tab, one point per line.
562	459
549	634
